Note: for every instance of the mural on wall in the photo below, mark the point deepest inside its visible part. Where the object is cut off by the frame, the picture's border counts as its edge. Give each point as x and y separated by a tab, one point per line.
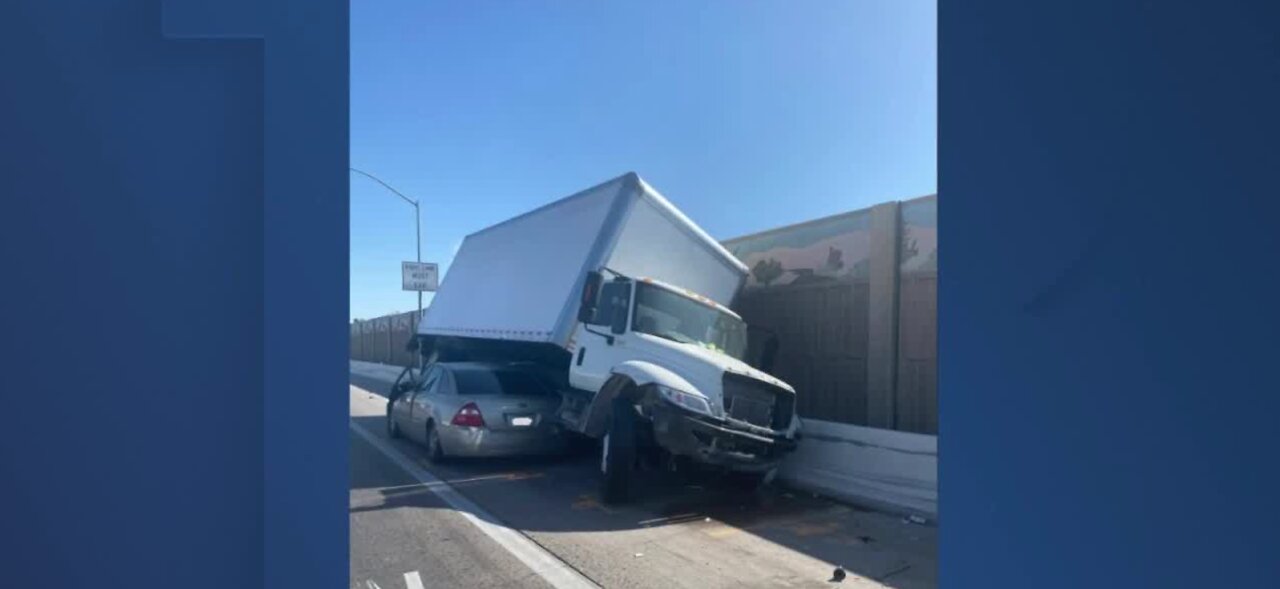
920	235
827	250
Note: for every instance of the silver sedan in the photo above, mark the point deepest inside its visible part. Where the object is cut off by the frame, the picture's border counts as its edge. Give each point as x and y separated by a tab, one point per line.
465	409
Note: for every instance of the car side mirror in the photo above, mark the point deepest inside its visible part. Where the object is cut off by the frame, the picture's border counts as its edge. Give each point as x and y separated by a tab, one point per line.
587	304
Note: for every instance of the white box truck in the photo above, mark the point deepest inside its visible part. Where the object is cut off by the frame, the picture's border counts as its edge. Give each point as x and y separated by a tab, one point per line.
620	300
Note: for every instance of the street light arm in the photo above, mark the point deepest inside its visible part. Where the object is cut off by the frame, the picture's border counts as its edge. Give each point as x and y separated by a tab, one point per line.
388	186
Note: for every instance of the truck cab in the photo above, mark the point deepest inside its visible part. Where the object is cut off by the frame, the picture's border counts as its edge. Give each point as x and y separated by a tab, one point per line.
663	368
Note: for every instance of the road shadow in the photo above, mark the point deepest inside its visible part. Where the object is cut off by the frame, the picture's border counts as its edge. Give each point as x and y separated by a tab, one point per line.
559	494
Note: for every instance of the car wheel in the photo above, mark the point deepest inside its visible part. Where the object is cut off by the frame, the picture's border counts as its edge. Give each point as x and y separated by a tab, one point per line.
393	429
435	452
618	453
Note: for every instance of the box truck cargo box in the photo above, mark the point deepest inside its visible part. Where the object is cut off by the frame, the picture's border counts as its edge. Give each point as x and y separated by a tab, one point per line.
520	279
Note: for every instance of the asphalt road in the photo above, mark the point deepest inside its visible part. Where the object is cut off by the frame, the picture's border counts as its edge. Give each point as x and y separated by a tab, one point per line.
683	532
399	527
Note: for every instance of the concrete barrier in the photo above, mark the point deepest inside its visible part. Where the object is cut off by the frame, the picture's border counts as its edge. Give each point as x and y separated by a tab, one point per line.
881	469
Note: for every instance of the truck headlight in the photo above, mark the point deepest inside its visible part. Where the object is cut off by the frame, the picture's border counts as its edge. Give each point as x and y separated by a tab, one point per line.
691	401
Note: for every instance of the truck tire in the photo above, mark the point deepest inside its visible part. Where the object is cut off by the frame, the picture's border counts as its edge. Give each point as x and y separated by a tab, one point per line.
618	453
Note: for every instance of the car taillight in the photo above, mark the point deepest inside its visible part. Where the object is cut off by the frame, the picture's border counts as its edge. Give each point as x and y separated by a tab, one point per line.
469	416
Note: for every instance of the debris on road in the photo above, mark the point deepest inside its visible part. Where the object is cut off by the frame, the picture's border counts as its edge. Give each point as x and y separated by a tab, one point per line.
837	575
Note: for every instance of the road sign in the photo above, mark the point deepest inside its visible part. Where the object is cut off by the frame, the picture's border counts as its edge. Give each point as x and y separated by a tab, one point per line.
419	276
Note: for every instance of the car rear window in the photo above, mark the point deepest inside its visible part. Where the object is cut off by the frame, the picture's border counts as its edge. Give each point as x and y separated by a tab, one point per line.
498	382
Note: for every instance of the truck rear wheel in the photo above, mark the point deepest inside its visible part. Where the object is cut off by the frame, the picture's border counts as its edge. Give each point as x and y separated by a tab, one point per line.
618	453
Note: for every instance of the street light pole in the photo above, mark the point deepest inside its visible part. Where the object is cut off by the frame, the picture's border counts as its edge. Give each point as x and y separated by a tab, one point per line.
417	229
417	221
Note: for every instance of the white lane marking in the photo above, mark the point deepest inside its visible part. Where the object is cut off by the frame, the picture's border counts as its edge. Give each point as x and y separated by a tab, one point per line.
546	565
371	585
412	580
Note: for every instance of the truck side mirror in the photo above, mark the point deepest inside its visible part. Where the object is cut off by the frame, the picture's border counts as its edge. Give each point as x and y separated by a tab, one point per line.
587	305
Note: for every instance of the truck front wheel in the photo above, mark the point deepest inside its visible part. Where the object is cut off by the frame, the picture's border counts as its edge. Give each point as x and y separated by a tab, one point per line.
618	453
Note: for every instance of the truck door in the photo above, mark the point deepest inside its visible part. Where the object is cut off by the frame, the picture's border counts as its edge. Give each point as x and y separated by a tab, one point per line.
598	349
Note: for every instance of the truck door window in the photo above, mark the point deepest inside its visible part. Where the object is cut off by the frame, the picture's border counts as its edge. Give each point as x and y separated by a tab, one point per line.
614	297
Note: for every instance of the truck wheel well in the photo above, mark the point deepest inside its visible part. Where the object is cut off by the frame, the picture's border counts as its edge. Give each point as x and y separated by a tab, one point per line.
617	387
628	388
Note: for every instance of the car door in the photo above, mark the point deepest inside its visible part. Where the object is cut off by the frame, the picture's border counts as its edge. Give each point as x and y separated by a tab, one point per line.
398	395
403	406
399	406
420	408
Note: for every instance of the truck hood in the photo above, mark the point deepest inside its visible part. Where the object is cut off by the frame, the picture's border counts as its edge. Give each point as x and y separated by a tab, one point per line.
691	360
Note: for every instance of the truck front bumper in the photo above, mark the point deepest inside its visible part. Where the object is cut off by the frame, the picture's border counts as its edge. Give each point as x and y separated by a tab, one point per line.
717	443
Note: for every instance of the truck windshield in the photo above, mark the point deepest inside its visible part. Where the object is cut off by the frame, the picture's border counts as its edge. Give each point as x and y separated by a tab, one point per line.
668	315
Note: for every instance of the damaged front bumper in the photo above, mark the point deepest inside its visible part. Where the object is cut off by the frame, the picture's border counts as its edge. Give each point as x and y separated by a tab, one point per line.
738	446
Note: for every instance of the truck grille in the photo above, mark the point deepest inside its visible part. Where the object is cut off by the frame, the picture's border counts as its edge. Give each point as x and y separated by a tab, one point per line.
757	403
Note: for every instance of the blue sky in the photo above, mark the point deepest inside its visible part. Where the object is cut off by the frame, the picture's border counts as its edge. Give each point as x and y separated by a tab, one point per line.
746	115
